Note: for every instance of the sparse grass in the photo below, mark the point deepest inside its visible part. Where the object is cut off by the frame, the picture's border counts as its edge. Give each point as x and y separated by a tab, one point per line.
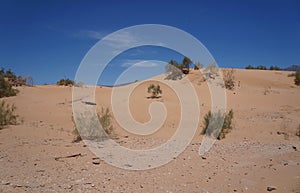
212	122
105	120
7	114
229	79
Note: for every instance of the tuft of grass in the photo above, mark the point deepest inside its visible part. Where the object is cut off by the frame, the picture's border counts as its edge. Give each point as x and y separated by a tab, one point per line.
104	117
212	122
105	120
7	114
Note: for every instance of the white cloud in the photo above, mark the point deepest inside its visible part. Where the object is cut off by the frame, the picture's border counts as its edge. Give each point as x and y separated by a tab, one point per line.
91	34
121	40
146	64
140	63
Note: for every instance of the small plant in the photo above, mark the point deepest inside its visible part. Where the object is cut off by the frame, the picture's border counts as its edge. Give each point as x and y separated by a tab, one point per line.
7	114
229	79
65	82
297	78
105	120
212	122
267	90
154	90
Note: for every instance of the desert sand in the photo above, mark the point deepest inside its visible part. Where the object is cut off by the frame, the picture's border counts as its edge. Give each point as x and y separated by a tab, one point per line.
261	151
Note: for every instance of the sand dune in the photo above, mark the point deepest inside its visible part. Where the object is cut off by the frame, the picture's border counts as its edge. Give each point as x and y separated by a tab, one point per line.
261	151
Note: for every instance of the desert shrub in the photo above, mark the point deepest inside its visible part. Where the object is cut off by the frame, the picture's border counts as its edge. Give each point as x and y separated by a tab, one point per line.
229	79
249	67
260	67
11	78
154	90
214	120
105	120
274	68
7	78
7	114
297	78
104	117
6	89
291	74
65	82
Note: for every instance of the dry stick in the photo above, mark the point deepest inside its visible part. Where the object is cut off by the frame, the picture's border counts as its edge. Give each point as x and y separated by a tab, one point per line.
69	156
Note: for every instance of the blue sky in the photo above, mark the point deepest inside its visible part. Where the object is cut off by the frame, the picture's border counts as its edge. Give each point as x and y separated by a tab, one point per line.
48	39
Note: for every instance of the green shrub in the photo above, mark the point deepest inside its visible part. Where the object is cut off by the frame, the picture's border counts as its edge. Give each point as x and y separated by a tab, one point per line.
154	90
7	114
297	78
6	89
212	121
7	80
65	82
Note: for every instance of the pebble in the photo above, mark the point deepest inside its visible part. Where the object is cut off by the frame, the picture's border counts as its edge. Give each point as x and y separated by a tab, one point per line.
271	188
96	161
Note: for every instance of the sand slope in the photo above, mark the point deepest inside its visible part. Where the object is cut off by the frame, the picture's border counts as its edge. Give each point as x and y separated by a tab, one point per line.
261	151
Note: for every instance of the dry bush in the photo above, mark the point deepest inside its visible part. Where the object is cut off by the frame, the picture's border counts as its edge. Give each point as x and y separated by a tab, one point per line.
267	90
229	79
104	117
105	120
7	114
212	121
